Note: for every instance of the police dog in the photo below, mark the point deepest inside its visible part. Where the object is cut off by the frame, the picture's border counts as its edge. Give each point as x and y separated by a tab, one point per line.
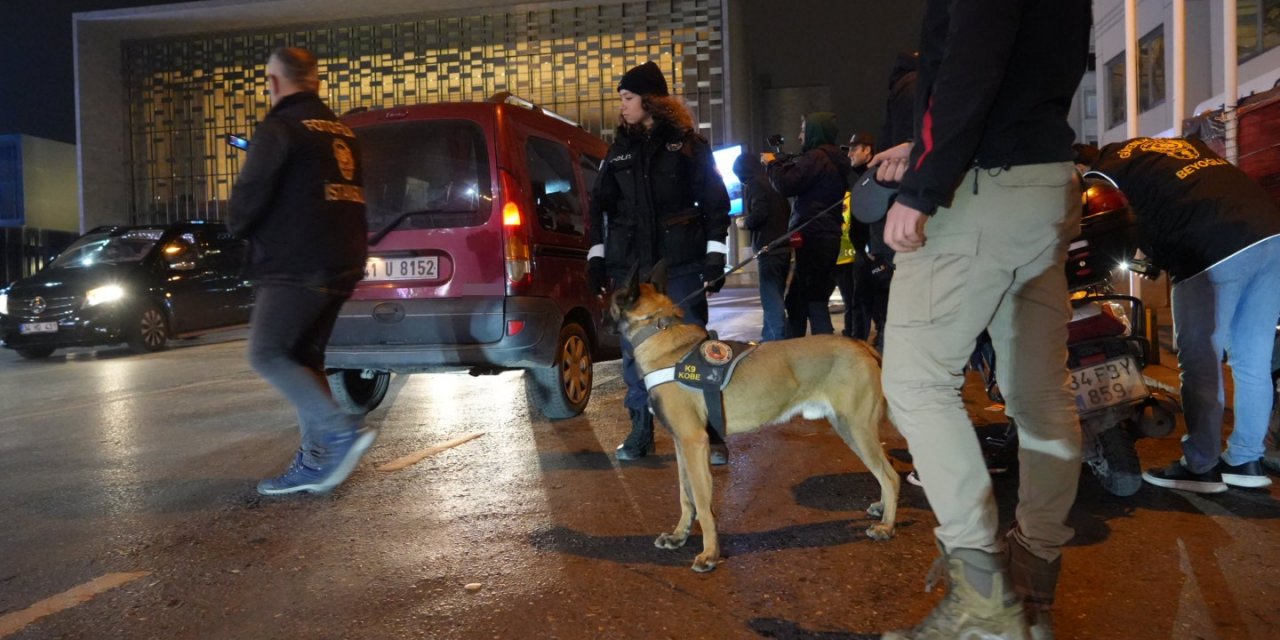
822	376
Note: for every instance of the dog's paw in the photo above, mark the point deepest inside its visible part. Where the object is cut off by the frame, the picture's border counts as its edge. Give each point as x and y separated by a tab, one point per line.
704	563
670	541
880	531
876	510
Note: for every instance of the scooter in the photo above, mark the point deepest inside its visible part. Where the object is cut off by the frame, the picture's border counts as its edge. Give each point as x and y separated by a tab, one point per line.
1107	351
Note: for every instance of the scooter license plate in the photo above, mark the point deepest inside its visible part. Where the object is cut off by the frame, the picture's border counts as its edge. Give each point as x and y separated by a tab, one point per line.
1106	384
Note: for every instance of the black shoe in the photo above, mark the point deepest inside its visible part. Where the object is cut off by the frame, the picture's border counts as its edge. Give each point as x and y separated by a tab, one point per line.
1177	476
719	454
639	442
1249	475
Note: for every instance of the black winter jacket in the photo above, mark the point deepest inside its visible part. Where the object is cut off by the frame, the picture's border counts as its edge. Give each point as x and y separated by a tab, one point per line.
659	197
995	84
299	197
1194	209
765	211
817	179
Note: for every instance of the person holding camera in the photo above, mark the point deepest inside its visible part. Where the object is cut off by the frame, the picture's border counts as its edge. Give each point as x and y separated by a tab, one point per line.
658	197
1217	233
818	179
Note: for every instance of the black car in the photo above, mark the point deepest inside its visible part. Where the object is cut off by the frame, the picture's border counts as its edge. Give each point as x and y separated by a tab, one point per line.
137	284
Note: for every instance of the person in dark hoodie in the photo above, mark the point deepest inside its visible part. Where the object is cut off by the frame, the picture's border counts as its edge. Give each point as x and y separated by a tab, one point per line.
817	179
658	197
765	216
991	179
299	201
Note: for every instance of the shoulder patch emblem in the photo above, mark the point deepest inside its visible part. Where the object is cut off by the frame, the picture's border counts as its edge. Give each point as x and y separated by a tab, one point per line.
716	352
675	146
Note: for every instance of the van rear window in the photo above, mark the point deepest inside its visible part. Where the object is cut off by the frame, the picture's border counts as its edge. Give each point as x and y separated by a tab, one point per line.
437	170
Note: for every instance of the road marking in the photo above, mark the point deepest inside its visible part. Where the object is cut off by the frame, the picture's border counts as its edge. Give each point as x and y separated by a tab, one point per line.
18	620
415	458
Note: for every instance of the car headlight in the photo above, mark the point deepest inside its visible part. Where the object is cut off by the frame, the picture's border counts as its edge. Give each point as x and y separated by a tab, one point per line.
4	304
102	295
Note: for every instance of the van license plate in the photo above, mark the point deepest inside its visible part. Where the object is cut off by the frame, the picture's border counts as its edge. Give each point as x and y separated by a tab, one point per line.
38	327
1106	384
415	268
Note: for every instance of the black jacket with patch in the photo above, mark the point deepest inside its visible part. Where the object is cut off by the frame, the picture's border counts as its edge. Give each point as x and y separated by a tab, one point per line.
1194	208
659	197
299	199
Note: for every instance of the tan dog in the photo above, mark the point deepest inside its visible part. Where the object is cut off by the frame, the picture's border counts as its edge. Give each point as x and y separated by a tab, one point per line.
822	376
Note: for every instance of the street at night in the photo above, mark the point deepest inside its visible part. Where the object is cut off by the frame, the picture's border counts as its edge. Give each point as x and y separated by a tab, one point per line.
145	465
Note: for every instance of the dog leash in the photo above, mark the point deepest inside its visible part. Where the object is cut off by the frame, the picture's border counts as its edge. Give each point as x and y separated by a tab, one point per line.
777	242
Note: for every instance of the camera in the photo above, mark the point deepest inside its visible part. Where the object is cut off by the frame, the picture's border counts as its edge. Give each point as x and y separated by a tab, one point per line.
776	141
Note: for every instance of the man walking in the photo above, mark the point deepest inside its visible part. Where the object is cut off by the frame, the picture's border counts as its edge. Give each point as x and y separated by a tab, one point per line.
990	174
299	201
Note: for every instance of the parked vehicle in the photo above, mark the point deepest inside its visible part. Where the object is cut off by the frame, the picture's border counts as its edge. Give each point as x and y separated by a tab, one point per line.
1107	350
137	284
478	250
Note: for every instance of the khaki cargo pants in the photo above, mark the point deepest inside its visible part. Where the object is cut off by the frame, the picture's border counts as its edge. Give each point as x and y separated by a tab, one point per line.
994	260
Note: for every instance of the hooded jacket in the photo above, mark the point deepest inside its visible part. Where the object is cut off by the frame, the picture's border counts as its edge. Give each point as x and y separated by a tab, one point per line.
299	198
996	80
659	197
1194	209
817	178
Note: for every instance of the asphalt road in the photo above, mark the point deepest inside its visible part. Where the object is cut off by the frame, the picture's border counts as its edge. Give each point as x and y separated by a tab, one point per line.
128	511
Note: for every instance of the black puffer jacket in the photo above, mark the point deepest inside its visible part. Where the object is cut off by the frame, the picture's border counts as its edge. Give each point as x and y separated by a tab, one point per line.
299	198
765	211
659	197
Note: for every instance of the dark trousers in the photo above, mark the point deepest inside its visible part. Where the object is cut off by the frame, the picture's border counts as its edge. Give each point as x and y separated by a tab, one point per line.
811	285
288	333
856	308
774	268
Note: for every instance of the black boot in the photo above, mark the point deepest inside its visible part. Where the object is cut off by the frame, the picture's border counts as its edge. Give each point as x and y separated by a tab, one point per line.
719	450
639	442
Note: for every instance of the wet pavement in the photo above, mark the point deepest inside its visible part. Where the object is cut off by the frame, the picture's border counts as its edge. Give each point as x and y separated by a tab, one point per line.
114	463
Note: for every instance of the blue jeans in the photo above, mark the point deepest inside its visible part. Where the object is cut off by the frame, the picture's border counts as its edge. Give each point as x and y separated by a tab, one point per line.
774	268
695	311
288	333
1229	308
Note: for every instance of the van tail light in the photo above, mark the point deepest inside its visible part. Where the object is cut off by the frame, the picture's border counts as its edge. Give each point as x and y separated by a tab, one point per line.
517	253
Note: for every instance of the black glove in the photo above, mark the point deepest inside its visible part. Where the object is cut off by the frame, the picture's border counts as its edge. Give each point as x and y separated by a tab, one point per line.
713	272
597	277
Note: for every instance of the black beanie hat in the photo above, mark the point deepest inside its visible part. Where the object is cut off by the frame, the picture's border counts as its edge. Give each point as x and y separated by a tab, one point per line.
644	80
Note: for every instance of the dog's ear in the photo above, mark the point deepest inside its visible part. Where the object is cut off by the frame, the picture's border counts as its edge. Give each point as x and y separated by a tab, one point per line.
658	277
631	292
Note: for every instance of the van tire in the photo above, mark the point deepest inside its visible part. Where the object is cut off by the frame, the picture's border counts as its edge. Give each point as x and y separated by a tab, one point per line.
564	389
356	394
149	331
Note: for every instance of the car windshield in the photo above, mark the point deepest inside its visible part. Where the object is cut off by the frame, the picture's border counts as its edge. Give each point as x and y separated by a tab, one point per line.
437	169
105	248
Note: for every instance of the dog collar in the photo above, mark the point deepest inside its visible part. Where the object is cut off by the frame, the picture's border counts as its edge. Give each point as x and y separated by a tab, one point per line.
648	331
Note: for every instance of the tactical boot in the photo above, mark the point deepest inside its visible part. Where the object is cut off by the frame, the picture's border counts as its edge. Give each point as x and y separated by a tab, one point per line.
639	442
1035	579
980	603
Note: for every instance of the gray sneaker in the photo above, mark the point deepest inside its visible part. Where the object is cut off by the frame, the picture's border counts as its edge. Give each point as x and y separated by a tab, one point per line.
341	455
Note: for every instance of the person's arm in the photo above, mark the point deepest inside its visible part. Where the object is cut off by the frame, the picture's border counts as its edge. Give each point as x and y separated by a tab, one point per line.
795	176
604	198
968	47
713	203
255	187
756	204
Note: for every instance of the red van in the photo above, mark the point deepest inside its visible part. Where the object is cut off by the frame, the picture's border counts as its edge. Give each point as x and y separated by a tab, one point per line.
478	217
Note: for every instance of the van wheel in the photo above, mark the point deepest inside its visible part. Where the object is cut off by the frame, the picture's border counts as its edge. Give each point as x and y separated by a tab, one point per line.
358	391
150	330
35	353
563	389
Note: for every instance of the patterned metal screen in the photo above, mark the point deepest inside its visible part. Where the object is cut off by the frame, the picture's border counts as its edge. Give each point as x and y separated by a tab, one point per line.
185	95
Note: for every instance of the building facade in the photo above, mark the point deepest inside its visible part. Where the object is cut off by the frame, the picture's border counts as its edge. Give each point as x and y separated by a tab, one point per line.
159	88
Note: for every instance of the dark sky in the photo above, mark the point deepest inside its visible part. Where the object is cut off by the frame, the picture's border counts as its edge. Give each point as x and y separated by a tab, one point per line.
847	44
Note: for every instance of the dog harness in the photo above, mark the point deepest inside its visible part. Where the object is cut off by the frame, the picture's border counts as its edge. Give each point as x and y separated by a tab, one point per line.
707	367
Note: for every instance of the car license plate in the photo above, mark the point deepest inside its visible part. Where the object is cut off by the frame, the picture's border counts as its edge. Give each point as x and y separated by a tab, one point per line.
38	327
414	268
1106	384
